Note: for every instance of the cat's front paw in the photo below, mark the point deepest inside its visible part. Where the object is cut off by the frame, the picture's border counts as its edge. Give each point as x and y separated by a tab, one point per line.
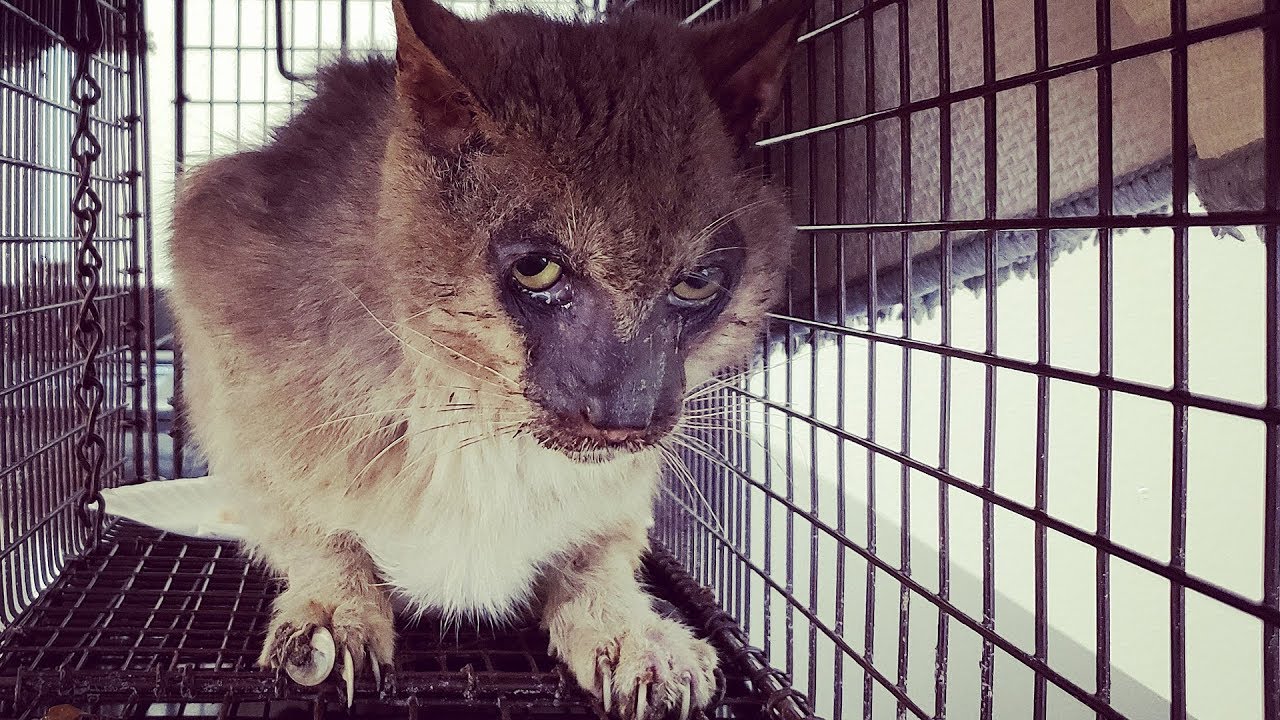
308	639
656	669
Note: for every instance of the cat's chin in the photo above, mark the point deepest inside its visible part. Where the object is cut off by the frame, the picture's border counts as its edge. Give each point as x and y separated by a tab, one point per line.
592	456
586	452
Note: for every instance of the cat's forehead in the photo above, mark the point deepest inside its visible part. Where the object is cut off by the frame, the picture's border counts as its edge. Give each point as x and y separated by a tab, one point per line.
635	174
601	97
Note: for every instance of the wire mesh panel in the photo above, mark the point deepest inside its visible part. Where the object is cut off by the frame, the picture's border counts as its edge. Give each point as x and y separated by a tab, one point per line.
245	64
70	268
148	616
1013	446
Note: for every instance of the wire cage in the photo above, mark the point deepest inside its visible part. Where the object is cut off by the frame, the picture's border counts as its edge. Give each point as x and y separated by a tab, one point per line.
73	310
1017	501
1010	448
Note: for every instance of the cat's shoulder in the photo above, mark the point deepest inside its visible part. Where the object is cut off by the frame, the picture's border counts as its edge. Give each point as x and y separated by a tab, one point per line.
348	89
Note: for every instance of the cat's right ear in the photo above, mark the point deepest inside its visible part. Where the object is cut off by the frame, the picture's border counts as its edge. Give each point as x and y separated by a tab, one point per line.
438	59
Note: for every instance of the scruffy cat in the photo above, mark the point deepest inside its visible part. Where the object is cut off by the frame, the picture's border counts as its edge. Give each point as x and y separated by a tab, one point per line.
438	330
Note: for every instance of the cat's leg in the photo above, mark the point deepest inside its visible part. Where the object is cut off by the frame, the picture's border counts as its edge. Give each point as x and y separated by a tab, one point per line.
603	626
331	584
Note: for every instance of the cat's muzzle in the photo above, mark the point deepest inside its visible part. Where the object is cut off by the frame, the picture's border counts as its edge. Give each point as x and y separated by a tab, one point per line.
583	441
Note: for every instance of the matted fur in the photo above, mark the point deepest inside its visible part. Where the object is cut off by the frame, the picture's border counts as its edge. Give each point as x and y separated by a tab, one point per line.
352	365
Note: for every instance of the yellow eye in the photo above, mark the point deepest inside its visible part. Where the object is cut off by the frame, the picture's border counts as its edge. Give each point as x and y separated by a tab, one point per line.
699	286
536	272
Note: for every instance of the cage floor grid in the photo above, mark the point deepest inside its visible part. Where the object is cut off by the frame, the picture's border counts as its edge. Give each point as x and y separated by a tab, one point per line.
149	623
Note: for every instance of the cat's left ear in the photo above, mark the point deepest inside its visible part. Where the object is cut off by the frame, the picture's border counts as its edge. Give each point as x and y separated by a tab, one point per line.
439	59
743	61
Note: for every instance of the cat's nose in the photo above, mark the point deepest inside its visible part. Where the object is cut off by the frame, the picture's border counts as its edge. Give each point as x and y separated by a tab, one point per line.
618	419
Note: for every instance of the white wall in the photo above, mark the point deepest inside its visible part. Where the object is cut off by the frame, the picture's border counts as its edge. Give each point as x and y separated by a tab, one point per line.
1225	484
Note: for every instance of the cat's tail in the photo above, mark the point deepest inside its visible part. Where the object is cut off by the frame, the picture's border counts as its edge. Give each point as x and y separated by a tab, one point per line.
198	507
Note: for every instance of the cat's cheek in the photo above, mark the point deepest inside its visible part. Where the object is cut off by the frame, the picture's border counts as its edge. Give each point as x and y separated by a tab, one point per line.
730	345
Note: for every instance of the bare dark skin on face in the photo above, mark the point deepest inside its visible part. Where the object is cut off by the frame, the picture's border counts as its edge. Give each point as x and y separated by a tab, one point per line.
611	392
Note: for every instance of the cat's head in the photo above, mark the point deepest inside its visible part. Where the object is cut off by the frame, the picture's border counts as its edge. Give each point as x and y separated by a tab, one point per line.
572	214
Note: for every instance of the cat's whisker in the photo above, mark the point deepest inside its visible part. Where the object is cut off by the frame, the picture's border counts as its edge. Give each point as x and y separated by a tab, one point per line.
681	469
446	364
744	374
711	227
726	406
785	407
341	452
731	436
708	428
472	388
711	454
703	425
726	409
411	346
407	436
683	442
672	461
454	407
725	219
717	383
713	411
407	468
462	356
492	434
356	416
716	386
418	314
685	476
572	220
713	251
450	407
738	432
421	457
372	461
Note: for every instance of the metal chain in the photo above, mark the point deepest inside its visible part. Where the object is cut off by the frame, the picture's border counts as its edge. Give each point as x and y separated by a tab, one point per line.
85	207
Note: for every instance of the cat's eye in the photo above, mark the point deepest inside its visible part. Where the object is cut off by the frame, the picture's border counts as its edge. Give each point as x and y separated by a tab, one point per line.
536	273
698	287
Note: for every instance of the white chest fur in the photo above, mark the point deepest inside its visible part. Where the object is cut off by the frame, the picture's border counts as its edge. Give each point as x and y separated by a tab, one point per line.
492	515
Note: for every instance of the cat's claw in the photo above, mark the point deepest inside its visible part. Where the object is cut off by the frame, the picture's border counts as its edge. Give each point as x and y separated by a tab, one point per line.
642	699
643	687
308	655
606	681
659	672
349	675
310	665
685	698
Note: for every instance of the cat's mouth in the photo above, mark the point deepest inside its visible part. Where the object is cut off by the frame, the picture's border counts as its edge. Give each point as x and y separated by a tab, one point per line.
591	456
585	444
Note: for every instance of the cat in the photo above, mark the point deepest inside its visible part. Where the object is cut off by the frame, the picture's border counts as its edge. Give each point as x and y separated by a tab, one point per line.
440	330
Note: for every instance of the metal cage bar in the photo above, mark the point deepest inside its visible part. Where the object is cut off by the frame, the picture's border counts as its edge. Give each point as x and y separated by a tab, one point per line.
872	141
74	416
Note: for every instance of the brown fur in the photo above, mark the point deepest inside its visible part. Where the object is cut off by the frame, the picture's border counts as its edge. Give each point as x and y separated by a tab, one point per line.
352	356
